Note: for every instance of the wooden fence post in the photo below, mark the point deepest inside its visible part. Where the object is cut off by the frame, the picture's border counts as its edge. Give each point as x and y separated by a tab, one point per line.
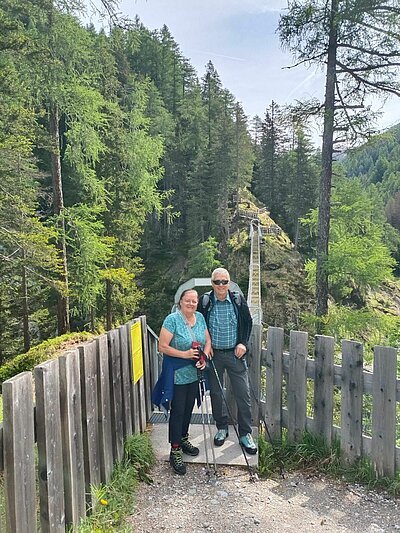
134	386
297	385
104	405
384	410
140	393
90	417
351	400
19	454
71	427
116	394
323	391
49	442
273	407
126	380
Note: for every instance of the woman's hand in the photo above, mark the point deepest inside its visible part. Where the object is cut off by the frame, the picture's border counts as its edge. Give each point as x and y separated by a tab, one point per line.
192	353
201	365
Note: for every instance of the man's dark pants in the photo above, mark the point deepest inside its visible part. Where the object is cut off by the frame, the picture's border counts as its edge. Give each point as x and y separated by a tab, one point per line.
239	378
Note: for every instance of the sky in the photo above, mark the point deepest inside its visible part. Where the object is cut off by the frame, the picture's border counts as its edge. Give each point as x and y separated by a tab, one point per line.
240	38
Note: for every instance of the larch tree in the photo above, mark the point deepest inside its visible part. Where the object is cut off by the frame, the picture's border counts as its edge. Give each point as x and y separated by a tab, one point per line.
357	42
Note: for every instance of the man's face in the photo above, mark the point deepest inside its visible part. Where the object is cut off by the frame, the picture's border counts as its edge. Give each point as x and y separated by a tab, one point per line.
220	285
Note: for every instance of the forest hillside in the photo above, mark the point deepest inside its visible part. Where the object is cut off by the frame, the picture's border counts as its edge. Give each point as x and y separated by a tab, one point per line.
122	171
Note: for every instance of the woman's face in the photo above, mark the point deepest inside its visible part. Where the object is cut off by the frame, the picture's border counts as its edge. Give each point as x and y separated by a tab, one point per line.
189	302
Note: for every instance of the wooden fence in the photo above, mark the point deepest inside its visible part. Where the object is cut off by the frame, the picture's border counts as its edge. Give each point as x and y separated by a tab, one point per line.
64	426
286	378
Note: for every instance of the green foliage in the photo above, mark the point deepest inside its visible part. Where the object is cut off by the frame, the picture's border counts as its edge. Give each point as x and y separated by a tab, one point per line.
358	256
42	352
115	501
312	454
202	259
369	326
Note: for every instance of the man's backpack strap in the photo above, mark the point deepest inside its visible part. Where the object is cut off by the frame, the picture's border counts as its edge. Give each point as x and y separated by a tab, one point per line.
206	300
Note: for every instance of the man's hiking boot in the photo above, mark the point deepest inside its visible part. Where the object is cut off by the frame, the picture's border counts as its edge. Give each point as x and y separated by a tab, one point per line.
176	461
220	437
247	443
188	448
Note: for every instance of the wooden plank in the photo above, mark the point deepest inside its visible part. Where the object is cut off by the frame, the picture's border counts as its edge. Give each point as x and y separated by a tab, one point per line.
384	411
351	400
116	394
297	385
49	442
1	447
104	406
147	367
254	362
90	416
19	454
71	427
139	394
135	390
323	387
273	408
126	380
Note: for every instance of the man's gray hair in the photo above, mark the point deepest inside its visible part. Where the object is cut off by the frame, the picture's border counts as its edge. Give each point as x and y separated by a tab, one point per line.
220	271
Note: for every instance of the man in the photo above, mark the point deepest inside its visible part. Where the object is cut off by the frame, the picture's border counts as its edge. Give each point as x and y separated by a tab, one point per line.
229	323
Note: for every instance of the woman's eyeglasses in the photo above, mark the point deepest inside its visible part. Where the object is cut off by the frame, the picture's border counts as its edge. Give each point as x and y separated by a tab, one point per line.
220	281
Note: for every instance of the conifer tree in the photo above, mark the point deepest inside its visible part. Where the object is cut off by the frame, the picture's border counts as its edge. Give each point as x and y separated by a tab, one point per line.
357	42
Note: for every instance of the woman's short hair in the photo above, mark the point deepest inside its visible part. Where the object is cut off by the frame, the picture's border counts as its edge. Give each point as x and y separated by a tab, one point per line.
185	292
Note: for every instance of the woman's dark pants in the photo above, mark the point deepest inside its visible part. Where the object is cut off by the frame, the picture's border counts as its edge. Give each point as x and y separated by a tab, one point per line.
181	410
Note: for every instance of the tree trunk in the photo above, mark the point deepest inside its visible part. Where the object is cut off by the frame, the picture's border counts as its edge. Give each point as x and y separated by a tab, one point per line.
326	172
58	205
25	309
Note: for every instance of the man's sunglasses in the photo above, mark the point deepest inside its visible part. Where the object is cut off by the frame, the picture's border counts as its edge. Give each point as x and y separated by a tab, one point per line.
220	281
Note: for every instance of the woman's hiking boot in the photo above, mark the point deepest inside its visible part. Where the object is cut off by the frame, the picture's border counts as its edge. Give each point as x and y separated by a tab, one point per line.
188	448
176	461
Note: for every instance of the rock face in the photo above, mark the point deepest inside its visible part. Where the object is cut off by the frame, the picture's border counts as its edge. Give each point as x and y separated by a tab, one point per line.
284	290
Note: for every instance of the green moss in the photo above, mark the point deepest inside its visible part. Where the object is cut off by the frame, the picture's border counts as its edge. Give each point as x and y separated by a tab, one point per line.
40	353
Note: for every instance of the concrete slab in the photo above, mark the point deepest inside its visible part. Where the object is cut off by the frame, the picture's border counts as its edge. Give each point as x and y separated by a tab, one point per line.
228	454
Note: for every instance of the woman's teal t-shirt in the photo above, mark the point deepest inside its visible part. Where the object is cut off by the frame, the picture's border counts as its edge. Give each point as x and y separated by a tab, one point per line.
182	340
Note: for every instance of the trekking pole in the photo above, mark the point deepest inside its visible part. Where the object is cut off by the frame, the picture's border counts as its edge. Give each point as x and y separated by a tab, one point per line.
204	427
253	475
203	399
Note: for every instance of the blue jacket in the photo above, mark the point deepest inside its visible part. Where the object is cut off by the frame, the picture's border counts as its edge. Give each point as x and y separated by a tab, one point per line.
163	391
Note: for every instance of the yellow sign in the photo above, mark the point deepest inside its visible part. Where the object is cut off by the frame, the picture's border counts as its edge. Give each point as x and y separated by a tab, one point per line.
137	354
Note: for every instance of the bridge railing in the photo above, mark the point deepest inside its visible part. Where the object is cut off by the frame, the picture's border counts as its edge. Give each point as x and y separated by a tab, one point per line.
365	423
74	413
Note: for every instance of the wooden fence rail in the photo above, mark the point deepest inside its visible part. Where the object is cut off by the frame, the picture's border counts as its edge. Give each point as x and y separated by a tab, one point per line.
285	396
73	413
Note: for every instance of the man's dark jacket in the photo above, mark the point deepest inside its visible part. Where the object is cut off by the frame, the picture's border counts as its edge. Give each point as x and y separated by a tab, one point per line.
245	322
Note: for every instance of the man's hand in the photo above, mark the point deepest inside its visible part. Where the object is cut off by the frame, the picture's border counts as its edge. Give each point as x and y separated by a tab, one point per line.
240	350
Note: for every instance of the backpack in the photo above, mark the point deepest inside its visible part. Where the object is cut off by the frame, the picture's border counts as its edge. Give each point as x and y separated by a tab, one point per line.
205	300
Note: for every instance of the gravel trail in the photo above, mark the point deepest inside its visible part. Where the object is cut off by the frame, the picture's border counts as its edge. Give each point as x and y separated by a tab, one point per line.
231	503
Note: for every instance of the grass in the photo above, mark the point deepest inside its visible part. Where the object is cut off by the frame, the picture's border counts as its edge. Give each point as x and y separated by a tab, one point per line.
115	501
312	455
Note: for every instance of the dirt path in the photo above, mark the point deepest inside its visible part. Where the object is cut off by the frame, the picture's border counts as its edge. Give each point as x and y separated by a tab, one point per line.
230	503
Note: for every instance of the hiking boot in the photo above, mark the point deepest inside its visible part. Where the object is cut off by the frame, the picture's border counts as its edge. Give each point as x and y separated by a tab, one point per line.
220	437
176	461
247	442
188	448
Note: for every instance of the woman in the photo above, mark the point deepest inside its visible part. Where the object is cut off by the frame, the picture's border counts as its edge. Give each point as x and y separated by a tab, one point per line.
178	386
